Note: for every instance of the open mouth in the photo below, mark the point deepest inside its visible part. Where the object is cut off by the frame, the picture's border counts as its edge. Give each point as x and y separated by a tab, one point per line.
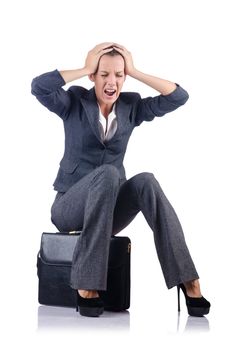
110	92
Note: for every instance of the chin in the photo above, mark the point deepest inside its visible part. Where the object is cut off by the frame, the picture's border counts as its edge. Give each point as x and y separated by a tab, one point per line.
109	101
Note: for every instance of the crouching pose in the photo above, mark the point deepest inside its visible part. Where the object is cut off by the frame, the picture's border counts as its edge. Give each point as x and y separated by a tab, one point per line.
93	193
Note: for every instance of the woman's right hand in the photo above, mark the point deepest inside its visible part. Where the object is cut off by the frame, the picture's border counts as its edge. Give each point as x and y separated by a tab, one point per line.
91	63
95	54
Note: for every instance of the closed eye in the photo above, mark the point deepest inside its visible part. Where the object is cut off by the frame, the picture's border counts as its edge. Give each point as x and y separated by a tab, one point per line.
117	75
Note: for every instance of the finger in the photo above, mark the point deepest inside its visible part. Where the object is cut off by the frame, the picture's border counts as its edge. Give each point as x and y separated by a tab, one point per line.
118	45
108	49
119	50
103	51
103	46
123	50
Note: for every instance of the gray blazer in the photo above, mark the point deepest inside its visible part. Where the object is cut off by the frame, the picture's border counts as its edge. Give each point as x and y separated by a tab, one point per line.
77	106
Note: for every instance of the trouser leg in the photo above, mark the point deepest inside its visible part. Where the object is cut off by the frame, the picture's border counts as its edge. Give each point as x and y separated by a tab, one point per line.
143	192
89	205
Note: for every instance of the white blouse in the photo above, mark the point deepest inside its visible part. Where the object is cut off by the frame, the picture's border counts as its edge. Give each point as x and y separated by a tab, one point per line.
108	126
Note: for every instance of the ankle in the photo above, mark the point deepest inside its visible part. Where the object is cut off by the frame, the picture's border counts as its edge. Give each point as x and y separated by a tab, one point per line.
193	288
88	293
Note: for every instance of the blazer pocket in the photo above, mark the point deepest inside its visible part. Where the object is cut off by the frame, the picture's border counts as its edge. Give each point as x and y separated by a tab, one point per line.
69	166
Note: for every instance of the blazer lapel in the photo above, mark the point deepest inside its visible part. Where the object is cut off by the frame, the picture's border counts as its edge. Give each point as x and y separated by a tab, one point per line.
90	105
89	102
122	110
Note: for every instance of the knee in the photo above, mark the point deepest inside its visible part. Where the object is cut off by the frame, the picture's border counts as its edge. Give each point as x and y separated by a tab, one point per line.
145	179
109	170
109	173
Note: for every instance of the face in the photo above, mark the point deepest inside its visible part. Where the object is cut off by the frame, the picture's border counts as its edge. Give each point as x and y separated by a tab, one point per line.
109	79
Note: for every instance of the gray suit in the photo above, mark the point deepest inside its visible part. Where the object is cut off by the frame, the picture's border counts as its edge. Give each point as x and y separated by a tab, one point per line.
93	192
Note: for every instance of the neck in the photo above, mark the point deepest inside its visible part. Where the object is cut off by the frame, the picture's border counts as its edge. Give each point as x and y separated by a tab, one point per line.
105	109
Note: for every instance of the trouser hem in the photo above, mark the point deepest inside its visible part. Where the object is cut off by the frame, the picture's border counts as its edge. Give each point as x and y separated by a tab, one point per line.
175	283
87	287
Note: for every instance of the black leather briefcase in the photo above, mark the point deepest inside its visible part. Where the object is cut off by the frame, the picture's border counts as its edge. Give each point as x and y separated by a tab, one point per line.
54	266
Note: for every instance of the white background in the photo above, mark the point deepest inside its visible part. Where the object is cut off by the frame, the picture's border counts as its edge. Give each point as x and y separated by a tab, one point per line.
189	151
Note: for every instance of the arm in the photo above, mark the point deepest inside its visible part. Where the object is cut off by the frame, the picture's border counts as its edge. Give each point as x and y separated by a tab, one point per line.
91	63
74	74
165	87
171	95
48	87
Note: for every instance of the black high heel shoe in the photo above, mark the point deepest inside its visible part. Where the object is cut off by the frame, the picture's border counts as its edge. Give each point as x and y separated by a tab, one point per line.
197	306
91	307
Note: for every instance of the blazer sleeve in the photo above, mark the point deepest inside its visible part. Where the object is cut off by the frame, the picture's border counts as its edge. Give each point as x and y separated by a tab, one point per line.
47	88
151	107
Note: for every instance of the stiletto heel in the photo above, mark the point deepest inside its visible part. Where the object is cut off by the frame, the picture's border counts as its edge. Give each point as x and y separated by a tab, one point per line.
90	307
197	306
178	297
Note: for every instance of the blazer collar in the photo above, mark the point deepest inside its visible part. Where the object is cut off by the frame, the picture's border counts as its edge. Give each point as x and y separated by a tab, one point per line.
122	110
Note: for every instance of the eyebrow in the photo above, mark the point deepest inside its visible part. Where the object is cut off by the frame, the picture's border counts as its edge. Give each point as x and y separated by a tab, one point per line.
104	71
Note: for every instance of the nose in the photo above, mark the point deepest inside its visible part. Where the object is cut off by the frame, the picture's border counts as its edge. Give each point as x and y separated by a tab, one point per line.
111	81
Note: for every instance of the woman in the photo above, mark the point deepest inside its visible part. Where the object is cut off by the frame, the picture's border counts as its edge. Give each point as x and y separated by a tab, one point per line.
93	193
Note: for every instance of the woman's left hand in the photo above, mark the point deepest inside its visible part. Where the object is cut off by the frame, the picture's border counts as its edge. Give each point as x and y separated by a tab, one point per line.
129	65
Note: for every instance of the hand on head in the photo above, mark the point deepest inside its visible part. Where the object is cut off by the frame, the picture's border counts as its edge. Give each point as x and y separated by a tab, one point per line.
129	65
95	54
91	62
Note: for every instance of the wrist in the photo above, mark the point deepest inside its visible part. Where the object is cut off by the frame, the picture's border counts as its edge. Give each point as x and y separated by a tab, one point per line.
134	73
84	71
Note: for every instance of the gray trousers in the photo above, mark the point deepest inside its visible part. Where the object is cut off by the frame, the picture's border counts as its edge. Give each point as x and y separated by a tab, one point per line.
101	206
